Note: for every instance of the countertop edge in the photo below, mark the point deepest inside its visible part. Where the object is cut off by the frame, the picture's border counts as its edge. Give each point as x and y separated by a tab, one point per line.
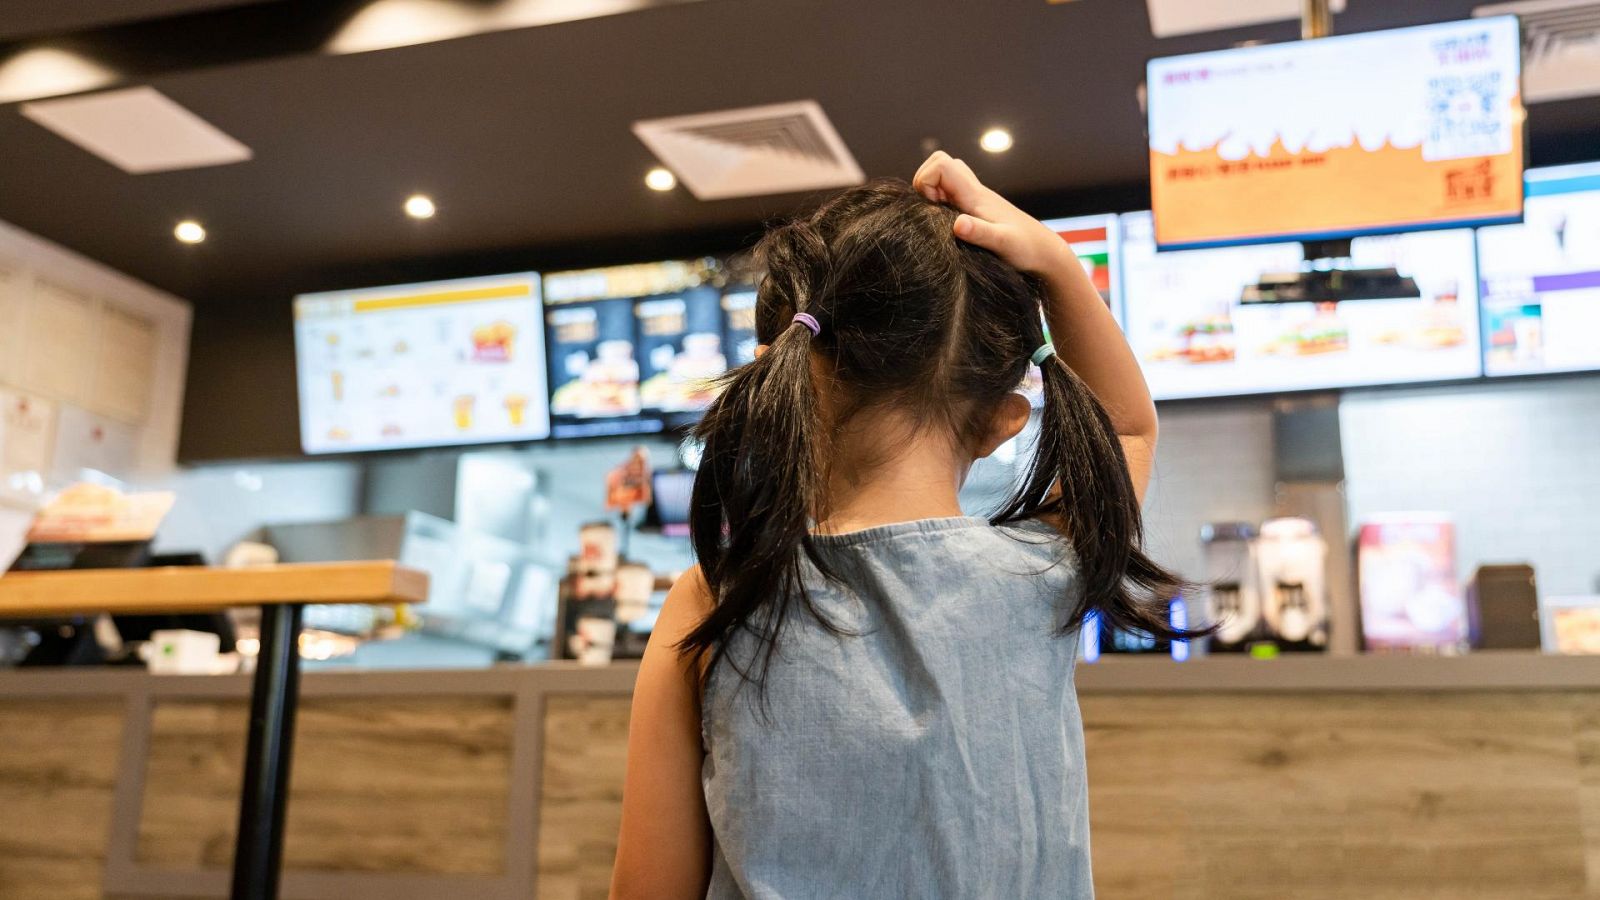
1483	671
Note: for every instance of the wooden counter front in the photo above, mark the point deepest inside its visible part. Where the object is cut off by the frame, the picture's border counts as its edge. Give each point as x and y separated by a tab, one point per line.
1254	780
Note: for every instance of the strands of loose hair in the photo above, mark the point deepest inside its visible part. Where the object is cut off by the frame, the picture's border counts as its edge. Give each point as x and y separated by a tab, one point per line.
912	320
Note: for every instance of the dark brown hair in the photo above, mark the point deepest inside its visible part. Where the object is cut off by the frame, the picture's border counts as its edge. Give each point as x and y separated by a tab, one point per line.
917	321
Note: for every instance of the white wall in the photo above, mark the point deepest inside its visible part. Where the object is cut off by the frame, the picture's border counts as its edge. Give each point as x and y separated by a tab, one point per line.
218	506
1516	464
1213	464
148	430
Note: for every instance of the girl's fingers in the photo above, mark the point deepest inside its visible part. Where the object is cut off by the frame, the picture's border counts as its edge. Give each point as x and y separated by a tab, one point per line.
943	178
987	235
959	184
928	176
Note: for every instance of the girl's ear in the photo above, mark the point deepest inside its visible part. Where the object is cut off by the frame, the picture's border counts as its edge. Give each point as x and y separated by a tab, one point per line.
760	349
1009	418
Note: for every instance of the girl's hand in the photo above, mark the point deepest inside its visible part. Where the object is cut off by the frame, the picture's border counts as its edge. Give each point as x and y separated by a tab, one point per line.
988	220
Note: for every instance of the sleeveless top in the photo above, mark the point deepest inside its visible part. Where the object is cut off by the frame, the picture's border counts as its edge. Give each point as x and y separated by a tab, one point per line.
933	750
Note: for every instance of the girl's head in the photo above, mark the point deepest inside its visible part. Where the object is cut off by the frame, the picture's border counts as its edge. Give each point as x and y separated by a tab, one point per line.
919	333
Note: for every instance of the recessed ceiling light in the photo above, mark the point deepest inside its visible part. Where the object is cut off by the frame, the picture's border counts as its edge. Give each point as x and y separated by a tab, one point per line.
659	179
420	206
47	72
995	140
189	231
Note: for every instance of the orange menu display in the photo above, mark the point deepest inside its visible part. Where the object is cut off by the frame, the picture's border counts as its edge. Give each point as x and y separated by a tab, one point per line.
1389	131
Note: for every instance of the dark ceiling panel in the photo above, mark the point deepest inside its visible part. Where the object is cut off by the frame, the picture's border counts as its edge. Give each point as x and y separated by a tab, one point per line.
31	18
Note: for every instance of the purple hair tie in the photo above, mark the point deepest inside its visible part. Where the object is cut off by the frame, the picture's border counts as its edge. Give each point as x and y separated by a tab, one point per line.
809	321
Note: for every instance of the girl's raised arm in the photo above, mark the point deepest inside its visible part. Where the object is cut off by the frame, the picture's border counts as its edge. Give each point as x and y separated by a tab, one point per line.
1086	335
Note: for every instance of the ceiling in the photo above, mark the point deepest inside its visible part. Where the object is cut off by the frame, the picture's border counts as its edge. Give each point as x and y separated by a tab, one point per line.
522	136
30	18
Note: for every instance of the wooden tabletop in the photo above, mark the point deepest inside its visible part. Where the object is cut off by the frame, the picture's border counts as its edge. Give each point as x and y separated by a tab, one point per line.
181	589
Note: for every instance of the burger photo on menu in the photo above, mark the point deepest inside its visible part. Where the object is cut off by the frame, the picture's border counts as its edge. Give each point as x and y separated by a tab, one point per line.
628	345
680	342
593	369
1262	318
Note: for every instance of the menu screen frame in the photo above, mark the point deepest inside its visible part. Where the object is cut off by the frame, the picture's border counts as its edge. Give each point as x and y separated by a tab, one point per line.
1446	165
1520	336
1150	328
407	366
645	370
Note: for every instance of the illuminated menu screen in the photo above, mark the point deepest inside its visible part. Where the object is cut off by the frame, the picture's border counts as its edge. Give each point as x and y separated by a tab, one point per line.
1195	337
420	365
635	348
1386	131
1096	240
739	325
1541	279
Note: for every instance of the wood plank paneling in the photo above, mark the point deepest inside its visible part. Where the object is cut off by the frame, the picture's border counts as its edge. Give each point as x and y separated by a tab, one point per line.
1464	795
580	802
58	765
1247	797
1343	796
380	784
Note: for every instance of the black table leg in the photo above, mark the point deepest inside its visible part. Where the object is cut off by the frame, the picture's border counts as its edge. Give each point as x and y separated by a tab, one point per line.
258	850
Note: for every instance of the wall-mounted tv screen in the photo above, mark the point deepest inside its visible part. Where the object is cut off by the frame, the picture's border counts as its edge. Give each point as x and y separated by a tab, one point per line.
1097	241
421	365
1196	320
1541	279
1380	132
740	283
635	348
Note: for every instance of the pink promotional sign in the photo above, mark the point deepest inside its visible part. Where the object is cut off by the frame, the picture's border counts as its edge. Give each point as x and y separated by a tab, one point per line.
1410	599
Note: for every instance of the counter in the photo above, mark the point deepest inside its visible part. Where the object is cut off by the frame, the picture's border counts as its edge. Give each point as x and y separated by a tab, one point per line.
1315	777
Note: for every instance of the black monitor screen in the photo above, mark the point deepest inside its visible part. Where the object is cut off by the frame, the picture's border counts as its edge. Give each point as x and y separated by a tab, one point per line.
632	349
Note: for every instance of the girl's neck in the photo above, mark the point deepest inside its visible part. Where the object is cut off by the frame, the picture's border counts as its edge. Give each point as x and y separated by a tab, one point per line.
880	477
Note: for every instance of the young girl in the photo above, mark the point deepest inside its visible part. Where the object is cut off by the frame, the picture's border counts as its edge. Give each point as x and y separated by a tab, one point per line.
861	692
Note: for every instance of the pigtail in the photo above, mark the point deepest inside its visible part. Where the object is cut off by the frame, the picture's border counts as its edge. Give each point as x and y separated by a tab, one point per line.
1097	508
761	479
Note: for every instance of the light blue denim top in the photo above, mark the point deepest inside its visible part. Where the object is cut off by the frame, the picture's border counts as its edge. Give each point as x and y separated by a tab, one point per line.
936	752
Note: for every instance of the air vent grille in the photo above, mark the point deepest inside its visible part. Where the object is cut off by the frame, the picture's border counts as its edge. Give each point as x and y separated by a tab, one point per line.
753	151
1560	46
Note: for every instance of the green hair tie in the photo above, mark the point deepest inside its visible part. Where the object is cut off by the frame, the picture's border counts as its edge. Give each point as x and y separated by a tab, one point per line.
1044	352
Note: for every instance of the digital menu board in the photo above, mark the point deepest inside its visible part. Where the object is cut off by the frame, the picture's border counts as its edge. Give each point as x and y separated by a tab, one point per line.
1385	131
1541	279
1195	336
739	324
633	348
740	284
1097	241
421	365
